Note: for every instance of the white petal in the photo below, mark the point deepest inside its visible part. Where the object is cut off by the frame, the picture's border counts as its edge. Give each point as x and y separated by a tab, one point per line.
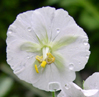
51	74
72	91
21	27
20	60
60	21
92	82
27	72
41	22
47	18
77	52
62	94
64	25
32	24
91	92
54	86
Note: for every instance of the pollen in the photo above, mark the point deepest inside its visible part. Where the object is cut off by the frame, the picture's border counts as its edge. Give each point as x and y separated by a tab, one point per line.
36	68
43	64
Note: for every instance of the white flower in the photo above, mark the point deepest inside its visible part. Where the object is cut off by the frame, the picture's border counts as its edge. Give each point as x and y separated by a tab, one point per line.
92	82
91	88
72	90
46	46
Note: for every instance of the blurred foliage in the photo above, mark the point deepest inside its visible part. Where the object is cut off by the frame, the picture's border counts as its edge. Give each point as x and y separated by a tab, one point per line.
85	13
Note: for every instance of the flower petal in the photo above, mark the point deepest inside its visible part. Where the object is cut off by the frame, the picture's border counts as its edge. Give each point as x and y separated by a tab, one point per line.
21	28
54	86
47	18
17	58
65	41
77	53
51	74
91	92
71	91
30	47
92	82
64	25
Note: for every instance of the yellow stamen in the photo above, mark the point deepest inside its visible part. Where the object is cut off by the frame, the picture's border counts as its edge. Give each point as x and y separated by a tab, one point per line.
43	64
39	58
53	59
36	68
49	55
50	58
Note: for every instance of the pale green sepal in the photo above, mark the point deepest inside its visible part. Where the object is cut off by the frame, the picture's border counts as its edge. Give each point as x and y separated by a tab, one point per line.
39	40
59	60
30	47
63	42
43	41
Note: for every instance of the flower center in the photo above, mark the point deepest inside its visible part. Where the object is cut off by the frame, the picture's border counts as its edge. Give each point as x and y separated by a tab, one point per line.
46	58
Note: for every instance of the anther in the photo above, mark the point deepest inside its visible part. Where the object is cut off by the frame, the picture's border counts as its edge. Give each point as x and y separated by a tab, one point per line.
36	68
43	64
50	58
50	55
53	59
39	58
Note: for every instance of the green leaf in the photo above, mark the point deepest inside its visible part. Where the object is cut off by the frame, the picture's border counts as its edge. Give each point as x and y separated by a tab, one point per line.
5	85
63	42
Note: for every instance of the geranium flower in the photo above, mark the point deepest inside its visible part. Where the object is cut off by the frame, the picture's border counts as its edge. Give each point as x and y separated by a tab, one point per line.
45	47
73	90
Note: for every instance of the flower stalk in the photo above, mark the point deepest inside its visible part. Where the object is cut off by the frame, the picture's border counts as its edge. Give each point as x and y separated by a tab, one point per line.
53	94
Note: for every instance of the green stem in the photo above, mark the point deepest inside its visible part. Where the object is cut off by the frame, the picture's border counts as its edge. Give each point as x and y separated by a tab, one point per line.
53	94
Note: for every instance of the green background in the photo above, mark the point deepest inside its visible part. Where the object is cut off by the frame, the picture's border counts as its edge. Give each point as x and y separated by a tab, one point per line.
85	13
